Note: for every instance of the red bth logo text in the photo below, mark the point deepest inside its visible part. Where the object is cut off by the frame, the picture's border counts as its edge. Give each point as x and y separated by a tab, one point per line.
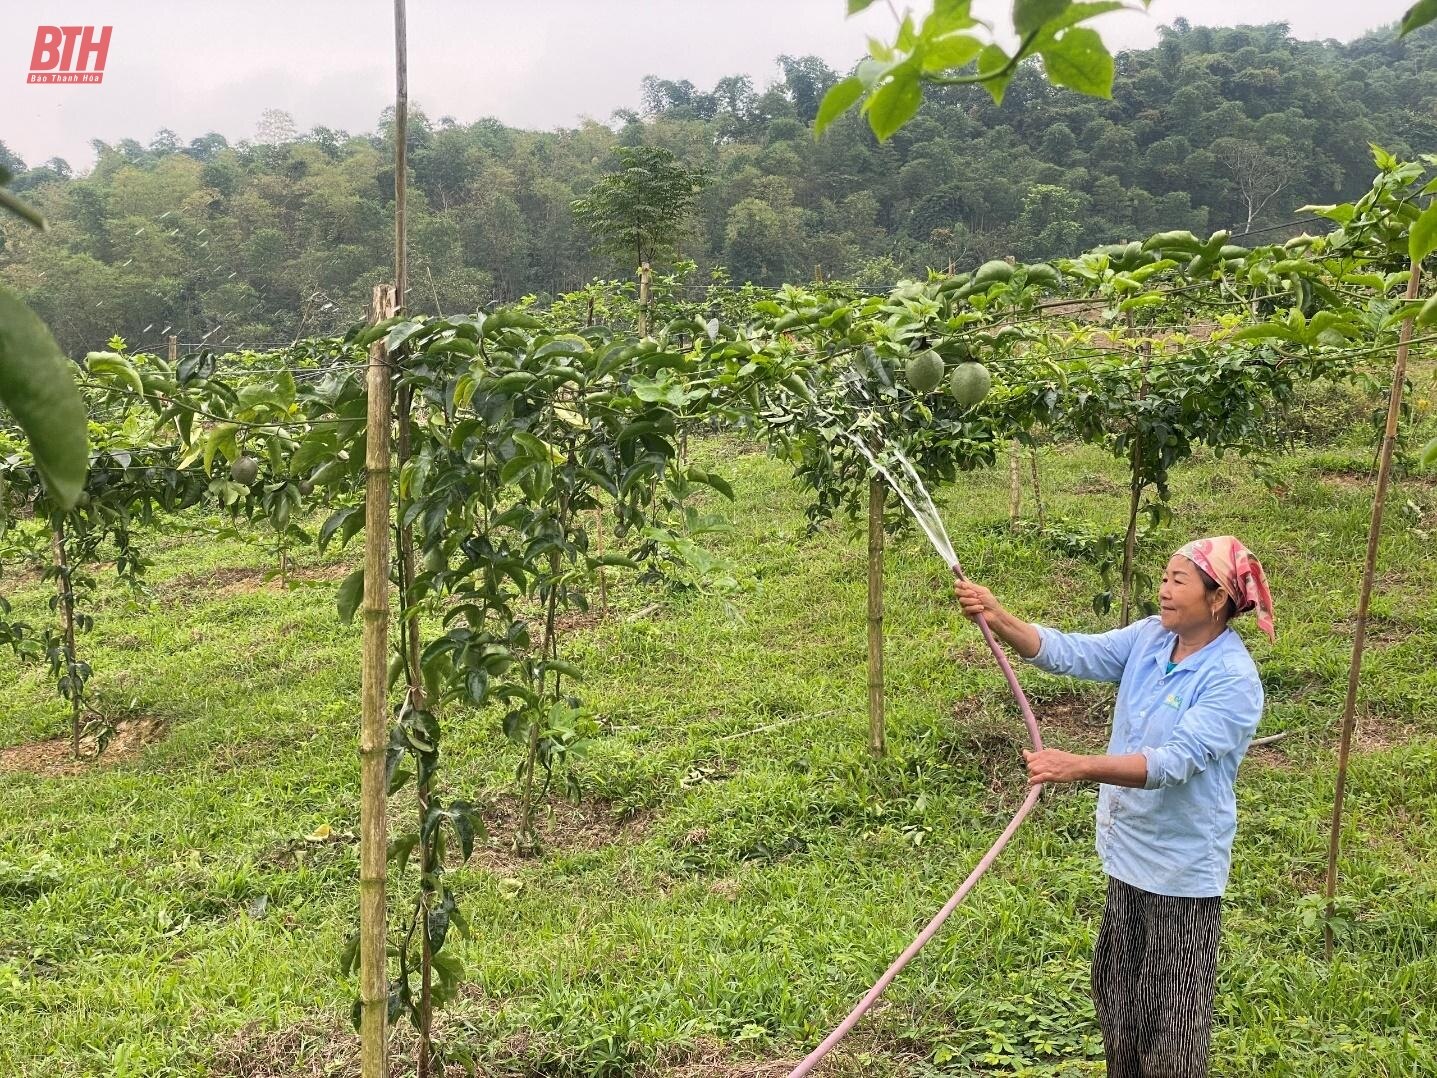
69	55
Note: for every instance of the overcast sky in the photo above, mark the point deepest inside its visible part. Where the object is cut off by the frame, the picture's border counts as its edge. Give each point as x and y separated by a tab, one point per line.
215	65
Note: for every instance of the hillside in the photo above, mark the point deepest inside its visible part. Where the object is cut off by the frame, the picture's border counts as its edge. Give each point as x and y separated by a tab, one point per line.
284	235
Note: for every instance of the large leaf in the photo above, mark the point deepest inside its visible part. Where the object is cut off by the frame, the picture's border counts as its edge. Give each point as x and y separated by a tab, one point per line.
951	51
1080	61
895	102
37	387
1419	14
1029	15
19	209
1429	454
351	594
1423	239
110	367
837	101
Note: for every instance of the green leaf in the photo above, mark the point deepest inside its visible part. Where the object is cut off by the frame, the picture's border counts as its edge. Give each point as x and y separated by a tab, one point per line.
1263	330
1029	15
1080	61
839	99
855	6
1074	14
990	61
351	593
1422	241
38	389
20	210
895	102
1429	454
109	367
951	51
1419	14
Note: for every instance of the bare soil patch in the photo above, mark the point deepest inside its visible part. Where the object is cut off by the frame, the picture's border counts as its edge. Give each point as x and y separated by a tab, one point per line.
1098	484
243	579
1375	730
52	757
325	1046
1382	630
563	827
318	1046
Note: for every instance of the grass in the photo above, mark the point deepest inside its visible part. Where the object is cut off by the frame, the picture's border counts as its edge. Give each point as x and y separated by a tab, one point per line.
741	869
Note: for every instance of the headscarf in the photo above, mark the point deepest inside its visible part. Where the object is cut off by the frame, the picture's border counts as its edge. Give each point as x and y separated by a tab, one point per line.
1238	572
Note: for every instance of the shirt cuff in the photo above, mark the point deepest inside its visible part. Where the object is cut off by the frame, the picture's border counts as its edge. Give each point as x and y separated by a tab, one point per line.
1155	775
1041	658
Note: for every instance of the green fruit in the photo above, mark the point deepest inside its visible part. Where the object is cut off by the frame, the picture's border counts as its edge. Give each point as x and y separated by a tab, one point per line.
244	471
970	383
925	371
435	559
306	488
990	273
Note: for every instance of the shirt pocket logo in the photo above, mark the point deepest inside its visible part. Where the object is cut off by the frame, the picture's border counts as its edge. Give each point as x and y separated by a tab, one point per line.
1174	701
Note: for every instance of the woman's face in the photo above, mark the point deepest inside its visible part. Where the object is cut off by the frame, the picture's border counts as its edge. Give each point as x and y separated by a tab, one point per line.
1184	603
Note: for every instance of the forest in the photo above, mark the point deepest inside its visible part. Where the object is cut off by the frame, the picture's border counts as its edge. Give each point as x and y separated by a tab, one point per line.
284	235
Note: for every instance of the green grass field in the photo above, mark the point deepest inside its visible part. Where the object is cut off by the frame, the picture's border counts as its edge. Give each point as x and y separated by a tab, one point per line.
740	869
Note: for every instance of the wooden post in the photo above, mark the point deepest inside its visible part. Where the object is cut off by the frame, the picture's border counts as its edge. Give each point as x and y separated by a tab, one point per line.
599	549
1135	494
67	615
401	152
374	721
1037	488
645	277
877	737
1015	484
174	350
1364	597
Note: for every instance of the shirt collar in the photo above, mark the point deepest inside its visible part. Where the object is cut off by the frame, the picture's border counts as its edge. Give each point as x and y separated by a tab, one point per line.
1167	640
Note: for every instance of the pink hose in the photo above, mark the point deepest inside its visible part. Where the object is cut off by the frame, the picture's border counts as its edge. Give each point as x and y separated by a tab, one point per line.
929	931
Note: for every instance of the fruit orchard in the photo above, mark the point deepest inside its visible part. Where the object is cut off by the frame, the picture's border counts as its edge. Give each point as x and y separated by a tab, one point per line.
514	474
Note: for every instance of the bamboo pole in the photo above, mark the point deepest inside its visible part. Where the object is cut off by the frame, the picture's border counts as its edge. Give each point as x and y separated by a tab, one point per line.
401	152
645	279
373	804
1135	495
1364	598
877	736
1037	489
415	678
67	615
1015	485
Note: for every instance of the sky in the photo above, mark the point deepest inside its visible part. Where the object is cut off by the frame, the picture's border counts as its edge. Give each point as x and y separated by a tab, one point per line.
214	65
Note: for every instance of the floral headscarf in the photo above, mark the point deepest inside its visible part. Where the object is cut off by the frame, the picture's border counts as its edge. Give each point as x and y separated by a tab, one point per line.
1238	572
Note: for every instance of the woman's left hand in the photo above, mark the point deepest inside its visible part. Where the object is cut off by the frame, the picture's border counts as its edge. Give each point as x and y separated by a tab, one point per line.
1055	765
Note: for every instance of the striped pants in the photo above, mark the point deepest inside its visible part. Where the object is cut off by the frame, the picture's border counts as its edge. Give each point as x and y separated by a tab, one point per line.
1154	971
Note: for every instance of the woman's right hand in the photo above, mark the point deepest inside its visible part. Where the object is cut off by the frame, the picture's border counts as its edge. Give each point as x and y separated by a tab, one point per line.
976	599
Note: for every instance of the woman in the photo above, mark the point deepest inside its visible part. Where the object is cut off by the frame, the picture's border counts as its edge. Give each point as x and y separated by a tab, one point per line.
1189	699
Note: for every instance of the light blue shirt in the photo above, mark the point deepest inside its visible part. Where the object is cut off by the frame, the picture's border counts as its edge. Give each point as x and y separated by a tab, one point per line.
1174	837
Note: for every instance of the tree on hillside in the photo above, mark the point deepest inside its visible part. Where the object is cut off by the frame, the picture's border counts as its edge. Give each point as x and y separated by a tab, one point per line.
640	209
1260	174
